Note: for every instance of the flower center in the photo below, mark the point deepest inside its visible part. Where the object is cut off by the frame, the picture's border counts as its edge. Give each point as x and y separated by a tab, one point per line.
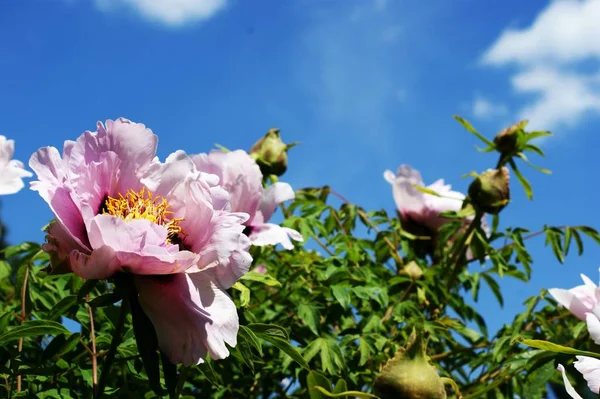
143	205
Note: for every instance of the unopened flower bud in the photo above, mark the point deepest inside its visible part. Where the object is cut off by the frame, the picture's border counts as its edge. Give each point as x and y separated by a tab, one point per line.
490	191
507	140
412	270
270	153
408	375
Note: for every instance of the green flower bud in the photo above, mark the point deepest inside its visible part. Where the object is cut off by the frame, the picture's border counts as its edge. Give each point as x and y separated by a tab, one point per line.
507	141
412	270
270	153
408	375
490	191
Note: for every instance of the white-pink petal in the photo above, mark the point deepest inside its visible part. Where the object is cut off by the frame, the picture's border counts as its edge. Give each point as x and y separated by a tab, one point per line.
568	387
589	367
12	171
273	234
593	326
191	314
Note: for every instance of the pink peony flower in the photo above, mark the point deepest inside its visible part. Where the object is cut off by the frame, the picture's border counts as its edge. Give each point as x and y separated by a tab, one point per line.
241	177
579	300
118	209
589	367
418	207
12	171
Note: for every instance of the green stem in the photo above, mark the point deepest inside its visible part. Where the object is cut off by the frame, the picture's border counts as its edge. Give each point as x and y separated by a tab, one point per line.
112	351
181	381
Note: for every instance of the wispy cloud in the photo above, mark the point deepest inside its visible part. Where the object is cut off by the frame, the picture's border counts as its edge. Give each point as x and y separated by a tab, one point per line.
168	12
483	108
550	56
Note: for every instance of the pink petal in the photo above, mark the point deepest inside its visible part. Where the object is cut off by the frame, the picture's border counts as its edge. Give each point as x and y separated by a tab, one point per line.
96	182
139	245
409	200
589	367
593	326
133	143
217	247
101	263
238	174
568	387
59	244
389	176
569	301
54	187
192	316
273	234
273	196
238	264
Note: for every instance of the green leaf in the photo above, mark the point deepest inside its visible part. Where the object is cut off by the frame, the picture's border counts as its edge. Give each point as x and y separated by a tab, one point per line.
62	307
533	135
60	345
494	286
314	379
310	316
244	293
590	232
538	379
105	300
524	182
284	346
86	288
222	148
33	328
538	168
341	294
340	386
261	278
551	347
247	335
269	329
471	129
426	190
354	394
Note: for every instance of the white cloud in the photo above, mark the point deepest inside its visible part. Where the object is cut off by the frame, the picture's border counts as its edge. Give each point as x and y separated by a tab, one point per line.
566	31
168	12
550	56
562	98
486	109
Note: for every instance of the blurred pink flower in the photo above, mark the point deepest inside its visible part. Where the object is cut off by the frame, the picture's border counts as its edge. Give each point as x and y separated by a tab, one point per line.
579	300
240	175
589	367
12	171
118	209
262	269
418	207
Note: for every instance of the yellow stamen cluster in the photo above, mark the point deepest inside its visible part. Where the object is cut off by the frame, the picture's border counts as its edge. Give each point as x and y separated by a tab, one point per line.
143	205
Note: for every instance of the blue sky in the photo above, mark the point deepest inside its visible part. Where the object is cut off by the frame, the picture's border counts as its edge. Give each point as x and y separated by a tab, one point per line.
364	85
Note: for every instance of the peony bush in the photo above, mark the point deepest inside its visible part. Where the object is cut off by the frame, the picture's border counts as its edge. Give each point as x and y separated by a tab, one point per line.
170	278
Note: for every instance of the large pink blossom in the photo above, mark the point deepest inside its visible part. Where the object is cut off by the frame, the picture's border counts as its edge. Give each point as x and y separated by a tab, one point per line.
418	207
241	177
12	171
118	209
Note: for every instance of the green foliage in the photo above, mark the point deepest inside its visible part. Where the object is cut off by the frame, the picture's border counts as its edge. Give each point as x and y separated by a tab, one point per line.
320	323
